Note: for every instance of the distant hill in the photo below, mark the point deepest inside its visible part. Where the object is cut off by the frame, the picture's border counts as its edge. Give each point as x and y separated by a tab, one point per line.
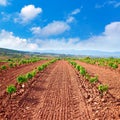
83	53
8	51
60	53
12	53
17	53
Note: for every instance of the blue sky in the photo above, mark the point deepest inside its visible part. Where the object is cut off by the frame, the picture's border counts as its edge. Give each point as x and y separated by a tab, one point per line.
35	25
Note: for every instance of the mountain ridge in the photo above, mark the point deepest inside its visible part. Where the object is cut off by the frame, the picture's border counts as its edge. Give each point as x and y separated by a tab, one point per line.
95	53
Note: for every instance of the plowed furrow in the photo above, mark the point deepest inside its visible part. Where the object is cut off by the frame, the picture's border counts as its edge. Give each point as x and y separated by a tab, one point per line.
10	76
61	100
30	99
55	94
105	108
105	76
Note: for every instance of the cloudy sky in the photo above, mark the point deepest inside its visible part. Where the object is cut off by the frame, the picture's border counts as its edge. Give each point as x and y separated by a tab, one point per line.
35	25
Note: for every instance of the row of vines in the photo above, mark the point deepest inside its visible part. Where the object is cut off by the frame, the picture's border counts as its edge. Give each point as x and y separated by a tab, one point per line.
10	63
92	79
109	62
24	78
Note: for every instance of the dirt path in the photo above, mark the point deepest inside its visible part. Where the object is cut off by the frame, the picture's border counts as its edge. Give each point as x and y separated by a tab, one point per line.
106	76
9	76
63	99
59	93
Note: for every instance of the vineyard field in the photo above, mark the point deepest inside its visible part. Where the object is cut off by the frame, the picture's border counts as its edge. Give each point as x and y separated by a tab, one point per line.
60	92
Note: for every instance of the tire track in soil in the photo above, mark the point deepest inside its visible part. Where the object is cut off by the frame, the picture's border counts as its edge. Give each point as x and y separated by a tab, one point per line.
9	77
57	96
106	76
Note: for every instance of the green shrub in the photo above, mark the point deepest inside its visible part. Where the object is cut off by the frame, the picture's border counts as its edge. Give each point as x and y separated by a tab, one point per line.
78	67
9	60
14	64
40	68
29	76
52	61
93	79
87	76
103	88
23	61
11	89
11	65
19	63
110	64
3	67
44	66
82	71
34	72
114	66
21	79
73	63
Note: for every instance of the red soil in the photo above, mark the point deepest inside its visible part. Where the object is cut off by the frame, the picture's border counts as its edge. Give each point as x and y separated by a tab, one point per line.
105	76
9	76
59	93
118	69
3	63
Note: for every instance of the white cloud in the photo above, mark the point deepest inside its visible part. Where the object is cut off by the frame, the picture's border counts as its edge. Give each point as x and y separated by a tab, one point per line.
8	40
54	28
109	40
76	11
113	3
28	13
70	19
3	2
57	44
112	29
36	30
